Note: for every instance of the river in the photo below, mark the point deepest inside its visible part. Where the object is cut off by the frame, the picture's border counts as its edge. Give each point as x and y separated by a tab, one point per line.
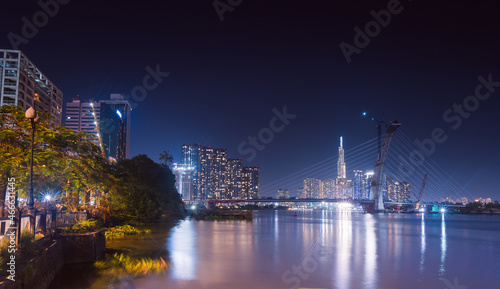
315	249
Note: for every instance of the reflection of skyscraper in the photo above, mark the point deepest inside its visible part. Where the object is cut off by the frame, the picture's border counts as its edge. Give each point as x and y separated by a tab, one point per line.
341	167
114	126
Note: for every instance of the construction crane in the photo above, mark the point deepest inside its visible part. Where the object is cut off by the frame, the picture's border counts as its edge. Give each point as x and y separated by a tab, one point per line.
420	194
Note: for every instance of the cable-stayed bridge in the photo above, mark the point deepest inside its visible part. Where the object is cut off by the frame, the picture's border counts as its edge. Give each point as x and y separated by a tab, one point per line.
405	162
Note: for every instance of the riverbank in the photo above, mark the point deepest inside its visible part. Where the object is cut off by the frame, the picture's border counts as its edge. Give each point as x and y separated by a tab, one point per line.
151	245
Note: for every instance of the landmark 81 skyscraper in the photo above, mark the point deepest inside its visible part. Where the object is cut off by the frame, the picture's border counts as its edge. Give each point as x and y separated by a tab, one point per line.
341	170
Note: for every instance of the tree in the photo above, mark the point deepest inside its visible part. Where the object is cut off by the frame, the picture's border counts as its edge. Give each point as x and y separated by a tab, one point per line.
63	161
166	158
147	190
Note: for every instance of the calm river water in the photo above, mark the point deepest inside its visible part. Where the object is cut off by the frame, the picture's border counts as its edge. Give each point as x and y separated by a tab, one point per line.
316	249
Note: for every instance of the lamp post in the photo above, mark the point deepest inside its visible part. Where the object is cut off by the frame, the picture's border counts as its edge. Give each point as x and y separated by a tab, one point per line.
32	115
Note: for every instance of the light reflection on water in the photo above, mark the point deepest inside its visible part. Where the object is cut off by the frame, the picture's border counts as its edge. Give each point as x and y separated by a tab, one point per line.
443	247
367	251
325	249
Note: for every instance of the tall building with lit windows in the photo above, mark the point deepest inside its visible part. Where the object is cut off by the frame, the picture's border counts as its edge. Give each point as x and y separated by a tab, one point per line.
358	184
83	116
341	167
184	176
234	178
217	176
329	188
107	120
313	189
283	194
368	182
250	179
398	191
114	127
22	83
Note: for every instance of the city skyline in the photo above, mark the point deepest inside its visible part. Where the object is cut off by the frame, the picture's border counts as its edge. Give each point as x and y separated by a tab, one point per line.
218	83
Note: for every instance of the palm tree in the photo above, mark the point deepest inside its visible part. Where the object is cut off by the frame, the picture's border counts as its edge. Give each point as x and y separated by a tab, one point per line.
166	158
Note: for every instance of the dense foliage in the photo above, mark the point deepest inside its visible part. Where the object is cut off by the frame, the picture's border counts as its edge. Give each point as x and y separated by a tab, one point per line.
493	206
72	169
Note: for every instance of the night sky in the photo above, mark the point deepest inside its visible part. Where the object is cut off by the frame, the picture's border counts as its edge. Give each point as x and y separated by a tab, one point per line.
226	77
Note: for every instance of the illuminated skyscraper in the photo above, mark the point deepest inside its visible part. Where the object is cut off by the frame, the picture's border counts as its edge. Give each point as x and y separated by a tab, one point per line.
313	189
184	181
114	127
250	179
341	167
190	157
398	191
234	178
368	181
83	116
108	121
329	188
216	176
358	184
23	84
283	194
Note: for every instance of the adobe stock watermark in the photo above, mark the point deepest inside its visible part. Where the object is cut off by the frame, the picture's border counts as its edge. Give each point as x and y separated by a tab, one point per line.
151	80
453	116
12	229
309	264
222	7
40	19
371	30
266	135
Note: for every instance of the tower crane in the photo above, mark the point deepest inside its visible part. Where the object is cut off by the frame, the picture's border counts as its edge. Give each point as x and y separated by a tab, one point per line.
420	194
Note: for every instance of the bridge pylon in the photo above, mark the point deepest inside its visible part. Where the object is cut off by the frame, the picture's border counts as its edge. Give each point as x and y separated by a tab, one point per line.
376	192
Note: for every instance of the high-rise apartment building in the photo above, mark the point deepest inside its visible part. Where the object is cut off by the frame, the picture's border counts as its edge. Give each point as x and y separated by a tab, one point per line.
398	191
234	181
250	179
283	194
313	189
329	188
216	176
22	83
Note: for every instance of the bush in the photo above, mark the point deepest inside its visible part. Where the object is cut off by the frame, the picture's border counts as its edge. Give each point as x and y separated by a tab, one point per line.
89	225
124	230
121	264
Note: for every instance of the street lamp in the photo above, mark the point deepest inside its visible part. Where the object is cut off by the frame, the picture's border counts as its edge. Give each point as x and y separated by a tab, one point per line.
32	115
